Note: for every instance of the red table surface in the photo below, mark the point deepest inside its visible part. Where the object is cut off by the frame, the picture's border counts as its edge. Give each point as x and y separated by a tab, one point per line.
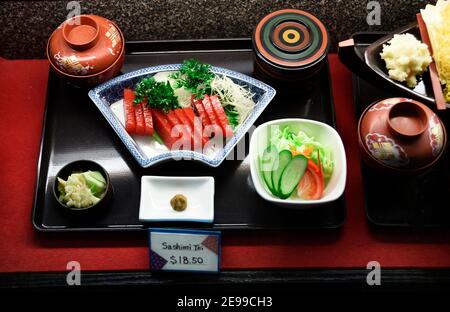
23	85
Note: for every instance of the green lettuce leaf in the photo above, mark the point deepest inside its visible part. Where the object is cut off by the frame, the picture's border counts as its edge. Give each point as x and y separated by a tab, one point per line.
301	142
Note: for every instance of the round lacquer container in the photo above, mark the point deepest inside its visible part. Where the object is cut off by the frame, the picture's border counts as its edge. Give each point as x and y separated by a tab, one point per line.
86	50
290	45
401	135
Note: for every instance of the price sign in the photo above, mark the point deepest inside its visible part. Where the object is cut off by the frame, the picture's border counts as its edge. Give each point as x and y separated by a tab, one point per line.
184	250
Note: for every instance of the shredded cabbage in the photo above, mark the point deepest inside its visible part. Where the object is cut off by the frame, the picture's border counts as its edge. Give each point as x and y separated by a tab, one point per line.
285	139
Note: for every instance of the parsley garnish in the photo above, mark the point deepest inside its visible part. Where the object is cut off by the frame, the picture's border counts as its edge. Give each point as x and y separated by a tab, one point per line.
158	94
194	77
232	115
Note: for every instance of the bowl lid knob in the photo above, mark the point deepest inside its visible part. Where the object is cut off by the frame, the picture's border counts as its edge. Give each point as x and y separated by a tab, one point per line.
81	32
407	120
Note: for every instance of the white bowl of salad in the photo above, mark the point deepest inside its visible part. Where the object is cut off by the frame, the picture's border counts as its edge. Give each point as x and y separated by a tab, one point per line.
297	163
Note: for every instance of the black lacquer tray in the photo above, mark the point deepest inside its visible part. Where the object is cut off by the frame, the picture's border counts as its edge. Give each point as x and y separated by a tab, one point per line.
416	201
74	129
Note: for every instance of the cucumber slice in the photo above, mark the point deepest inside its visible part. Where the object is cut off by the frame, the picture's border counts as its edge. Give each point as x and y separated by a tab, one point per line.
292	175
97	187
269	157
284	157
98	176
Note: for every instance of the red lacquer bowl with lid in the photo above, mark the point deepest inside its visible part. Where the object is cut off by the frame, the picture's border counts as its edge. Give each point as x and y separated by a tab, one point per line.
86	50
400	135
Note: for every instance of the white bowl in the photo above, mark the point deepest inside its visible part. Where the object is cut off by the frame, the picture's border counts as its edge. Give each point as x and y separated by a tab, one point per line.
322	133
156	193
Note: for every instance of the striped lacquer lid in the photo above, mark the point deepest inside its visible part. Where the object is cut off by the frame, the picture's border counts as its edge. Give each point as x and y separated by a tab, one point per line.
291	39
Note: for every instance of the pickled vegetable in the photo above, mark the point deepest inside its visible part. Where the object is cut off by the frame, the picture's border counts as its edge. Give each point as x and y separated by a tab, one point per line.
82	190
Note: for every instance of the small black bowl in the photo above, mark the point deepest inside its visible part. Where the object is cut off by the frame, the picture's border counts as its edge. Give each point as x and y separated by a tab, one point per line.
81	166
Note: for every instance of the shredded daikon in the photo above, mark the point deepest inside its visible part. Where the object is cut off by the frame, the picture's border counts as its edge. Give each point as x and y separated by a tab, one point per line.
230	93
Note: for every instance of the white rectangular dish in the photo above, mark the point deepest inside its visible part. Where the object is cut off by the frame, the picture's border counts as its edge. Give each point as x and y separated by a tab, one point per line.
157	191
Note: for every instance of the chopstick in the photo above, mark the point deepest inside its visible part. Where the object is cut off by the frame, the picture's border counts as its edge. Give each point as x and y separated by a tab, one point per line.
435	82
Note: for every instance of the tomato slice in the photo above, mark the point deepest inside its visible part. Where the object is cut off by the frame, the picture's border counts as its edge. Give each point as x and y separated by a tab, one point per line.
312	184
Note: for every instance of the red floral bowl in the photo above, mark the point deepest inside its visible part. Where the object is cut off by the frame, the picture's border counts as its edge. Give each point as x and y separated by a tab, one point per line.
86	50
401	135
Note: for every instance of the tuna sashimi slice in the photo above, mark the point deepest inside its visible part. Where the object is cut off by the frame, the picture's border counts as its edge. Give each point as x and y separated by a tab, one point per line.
148	119
196	124
197	103
129	110
164	127
214	123
221	116
180	131
184	120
